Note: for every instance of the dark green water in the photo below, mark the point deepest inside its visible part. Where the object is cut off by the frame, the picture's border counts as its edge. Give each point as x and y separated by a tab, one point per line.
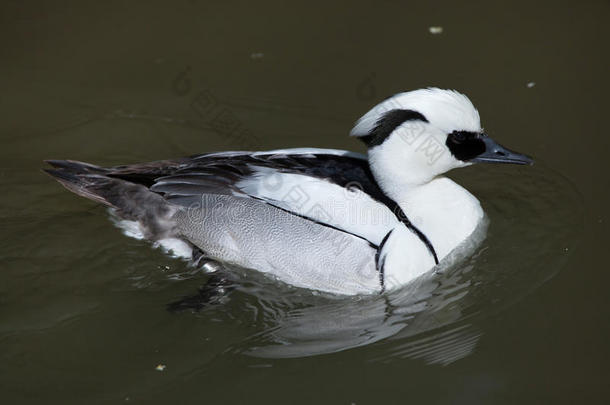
83	308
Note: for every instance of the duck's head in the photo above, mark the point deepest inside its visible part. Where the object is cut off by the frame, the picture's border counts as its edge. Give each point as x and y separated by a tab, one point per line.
421	134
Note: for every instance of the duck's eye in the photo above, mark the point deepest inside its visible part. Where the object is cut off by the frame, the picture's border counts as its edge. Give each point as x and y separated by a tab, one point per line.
459	136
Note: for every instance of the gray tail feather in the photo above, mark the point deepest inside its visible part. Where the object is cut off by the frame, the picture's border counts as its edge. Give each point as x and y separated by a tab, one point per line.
75	166
131	201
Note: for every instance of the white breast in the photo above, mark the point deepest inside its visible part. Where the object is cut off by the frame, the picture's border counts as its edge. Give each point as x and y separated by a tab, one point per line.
444	211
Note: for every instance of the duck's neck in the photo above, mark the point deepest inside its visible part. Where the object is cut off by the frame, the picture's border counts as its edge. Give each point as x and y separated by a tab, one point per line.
442	210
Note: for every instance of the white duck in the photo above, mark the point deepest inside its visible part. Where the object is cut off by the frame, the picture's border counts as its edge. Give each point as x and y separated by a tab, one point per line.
323	219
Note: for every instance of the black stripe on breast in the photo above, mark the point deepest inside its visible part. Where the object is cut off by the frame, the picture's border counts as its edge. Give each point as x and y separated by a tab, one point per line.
402	217
381	265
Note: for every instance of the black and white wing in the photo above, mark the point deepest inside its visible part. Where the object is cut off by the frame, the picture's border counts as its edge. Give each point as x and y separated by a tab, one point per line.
331	187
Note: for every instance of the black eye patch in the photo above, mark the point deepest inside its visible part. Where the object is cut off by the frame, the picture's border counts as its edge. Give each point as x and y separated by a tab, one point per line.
465	145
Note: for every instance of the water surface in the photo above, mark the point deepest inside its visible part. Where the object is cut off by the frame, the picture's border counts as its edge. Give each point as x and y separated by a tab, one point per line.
83	309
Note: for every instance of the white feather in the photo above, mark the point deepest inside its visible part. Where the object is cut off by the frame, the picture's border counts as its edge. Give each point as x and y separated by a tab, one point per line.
349	209
175	247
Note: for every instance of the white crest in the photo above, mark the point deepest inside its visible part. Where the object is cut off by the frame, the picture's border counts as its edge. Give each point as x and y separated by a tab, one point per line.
447	110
